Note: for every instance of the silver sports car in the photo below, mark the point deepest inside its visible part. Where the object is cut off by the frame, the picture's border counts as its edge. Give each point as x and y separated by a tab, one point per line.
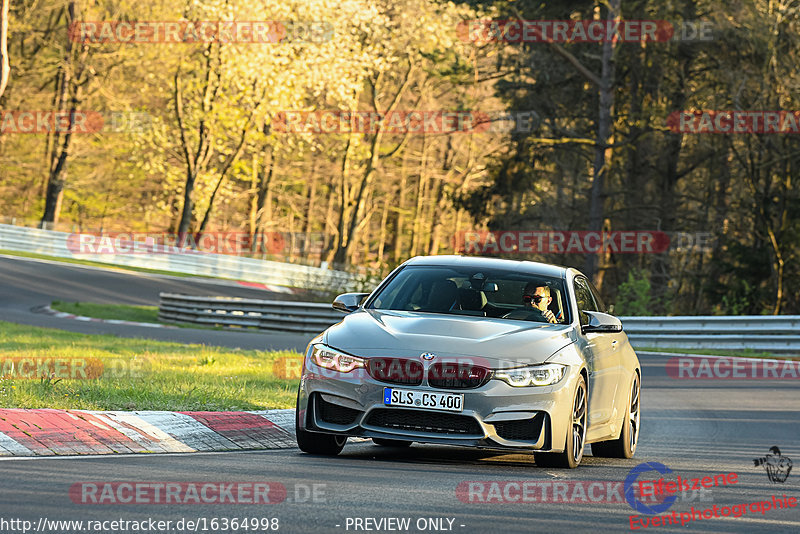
474	352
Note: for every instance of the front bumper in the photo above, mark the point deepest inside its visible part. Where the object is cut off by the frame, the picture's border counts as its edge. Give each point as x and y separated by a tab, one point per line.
495	415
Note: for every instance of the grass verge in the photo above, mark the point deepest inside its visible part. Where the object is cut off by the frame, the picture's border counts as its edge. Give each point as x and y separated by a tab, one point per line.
137	374
744	353
122	312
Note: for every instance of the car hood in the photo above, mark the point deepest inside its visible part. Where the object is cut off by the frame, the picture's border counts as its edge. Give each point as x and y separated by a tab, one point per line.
501	343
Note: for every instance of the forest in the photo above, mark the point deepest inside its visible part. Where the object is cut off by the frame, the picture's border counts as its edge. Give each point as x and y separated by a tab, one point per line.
355	134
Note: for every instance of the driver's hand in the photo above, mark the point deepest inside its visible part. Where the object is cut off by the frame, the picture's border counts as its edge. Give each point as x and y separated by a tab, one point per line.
550	316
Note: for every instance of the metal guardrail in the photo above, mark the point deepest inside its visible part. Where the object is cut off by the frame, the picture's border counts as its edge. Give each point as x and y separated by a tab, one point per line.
768	333
52	243
760	333
304	317
702	324
790	344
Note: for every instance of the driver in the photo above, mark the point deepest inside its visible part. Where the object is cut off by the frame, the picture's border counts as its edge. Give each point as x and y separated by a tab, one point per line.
538	296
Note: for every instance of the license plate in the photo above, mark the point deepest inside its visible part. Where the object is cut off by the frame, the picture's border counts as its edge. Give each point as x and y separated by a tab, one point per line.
449	402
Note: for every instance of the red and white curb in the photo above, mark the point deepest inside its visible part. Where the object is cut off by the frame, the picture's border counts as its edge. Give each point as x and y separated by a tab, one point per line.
49	432
64	315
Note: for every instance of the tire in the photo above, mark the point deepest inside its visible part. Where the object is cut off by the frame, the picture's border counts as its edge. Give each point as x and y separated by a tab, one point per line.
625	445
576	434
391	442
316	442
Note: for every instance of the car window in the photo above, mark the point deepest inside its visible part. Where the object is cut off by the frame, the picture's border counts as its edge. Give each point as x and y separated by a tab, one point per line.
470	291
584	298
596	294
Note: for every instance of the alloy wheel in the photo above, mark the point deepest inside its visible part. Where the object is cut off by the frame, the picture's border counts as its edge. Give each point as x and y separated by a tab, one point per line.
579	423
633	414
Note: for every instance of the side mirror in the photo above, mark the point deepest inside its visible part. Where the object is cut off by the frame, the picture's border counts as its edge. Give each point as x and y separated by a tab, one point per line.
348	302
600	322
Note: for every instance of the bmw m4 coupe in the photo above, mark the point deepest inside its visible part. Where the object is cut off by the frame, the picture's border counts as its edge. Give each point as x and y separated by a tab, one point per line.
477	352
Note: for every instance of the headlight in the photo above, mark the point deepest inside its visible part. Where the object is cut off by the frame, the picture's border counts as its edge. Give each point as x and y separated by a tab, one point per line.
329	358
535	375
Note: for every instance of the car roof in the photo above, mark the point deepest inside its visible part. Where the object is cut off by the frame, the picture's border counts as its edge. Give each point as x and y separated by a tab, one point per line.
479	262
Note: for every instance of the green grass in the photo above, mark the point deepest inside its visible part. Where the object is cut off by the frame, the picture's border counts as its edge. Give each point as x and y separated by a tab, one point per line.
744	353
123	312
141	374
139	314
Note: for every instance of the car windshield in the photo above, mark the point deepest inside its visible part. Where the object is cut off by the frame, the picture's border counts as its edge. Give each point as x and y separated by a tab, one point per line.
478	292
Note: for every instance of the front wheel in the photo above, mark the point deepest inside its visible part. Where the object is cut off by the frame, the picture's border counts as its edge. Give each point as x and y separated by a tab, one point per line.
316	443
625	445
576	434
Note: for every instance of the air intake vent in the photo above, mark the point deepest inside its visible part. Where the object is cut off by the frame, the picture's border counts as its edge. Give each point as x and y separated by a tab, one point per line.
423	421
520	430
335	414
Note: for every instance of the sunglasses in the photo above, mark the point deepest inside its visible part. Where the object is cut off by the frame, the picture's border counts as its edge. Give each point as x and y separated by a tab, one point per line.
534	298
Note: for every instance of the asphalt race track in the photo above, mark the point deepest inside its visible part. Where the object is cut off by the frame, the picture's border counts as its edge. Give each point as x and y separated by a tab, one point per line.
696	428
26	284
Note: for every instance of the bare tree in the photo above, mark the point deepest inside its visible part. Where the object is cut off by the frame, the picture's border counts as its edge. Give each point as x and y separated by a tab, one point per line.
71	79
604	85
352	213
602	151
5	69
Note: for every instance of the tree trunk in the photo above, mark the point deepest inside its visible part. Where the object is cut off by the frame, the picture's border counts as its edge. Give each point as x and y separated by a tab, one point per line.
358	208
602	152
223	173
438	212
253	213
416	239
262	178
55	183
718	201
400	220
188	207
310	208
382	232
339	250
438	216
330	228
5	68
197	161
361	234
290	254
59	147
359	204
